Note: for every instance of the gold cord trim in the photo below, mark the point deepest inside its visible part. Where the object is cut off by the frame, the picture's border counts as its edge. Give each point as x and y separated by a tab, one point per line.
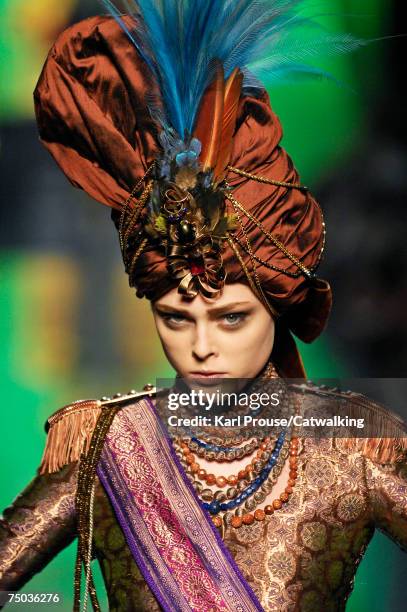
137	211
266	263
253	287
272	238
244	267
88	569
249	248
262	179
86	480
127	203
136	255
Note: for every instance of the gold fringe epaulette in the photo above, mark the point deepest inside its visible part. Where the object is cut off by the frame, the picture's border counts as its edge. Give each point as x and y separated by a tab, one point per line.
378	450
69	433
383	450
390	448
70	428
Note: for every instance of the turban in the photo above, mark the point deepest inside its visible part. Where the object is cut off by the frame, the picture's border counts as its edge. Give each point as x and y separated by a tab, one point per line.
91	106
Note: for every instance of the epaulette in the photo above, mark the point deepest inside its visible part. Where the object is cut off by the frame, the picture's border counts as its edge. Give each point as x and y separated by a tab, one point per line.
382	450
70	428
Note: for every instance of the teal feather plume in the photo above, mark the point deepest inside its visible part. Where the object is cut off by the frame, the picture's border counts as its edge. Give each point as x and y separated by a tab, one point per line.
181	41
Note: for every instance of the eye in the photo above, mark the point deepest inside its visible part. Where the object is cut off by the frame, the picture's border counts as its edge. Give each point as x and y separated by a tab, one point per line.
234	318
176	318
172	318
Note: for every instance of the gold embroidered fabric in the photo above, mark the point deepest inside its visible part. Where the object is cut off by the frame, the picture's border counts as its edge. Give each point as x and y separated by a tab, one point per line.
37	526
305	556
301	558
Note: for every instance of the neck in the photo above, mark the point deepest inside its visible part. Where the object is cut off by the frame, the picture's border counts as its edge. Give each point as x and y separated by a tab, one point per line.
268	371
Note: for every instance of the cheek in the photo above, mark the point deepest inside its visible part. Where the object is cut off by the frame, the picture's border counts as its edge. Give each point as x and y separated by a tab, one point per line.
174	343
256	336
265	337
251	347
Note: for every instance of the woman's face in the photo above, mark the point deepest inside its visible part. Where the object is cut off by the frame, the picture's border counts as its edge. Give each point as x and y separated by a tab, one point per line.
231	336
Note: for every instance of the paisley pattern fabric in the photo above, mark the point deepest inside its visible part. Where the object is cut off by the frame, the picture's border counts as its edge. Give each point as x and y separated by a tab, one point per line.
182	555
302	558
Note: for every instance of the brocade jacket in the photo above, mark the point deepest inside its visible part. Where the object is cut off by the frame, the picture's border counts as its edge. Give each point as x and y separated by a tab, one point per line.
303	557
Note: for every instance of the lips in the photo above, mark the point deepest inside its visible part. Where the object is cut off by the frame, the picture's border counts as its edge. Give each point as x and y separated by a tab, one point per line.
208	380
205	374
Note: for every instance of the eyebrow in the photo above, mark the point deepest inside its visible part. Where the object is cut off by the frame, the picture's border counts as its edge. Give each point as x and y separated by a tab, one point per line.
216	310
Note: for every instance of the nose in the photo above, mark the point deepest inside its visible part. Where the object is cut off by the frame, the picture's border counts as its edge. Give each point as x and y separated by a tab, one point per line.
202	344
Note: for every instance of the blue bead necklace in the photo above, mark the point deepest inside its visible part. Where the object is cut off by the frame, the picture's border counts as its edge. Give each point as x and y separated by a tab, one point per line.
214	507
229	452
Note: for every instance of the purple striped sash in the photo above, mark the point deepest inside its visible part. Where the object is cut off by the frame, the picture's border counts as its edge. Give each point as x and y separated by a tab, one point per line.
171	538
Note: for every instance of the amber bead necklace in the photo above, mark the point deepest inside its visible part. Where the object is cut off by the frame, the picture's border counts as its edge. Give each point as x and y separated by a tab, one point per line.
256	464
250	486
238	498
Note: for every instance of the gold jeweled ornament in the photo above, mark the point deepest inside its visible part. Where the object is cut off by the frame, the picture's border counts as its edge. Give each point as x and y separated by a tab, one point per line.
192	233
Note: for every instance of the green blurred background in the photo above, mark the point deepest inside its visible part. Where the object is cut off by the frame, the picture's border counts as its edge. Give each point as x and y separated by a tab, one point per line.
71	328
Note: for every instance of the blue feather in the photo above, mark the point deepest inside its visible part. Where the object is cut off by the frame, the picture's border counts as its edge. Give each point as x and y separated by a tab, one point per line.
180	39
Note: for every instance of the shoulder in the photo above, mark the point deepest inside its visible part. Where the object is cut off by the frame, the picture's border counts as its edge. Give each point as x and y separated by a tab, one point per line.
70	428
390	445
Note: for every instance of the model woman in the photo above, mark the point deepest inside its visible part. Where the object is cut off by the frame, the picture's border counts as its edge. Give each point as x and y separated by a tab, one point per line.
157	116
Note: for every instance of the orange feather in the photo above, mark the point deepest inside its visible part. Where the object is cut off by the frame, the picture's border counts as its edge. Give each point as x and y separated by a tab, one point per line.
208	127
231	103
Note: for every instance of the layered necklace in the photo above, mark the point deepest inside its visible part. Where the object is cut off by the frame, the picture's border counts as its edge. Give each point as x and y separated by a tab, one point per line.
238	499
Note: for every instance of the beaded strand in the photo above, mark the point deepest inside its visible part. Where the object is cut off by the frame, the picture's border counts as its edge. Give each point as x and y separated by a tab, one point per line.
245	486
86	476
260	514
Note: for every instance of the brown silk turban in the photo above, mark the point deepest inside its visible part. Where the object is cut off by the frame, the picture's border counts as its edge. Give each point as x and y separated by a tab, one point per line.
92	116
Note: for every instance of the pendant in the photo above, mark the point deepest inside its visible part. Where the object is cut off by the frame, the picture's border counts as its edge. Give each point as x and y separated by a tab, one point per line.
219	522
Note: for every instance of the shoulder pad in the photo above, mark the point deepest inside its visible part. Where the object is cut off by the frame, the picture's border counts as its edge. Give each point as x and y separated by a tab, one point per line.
379	450
70	428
